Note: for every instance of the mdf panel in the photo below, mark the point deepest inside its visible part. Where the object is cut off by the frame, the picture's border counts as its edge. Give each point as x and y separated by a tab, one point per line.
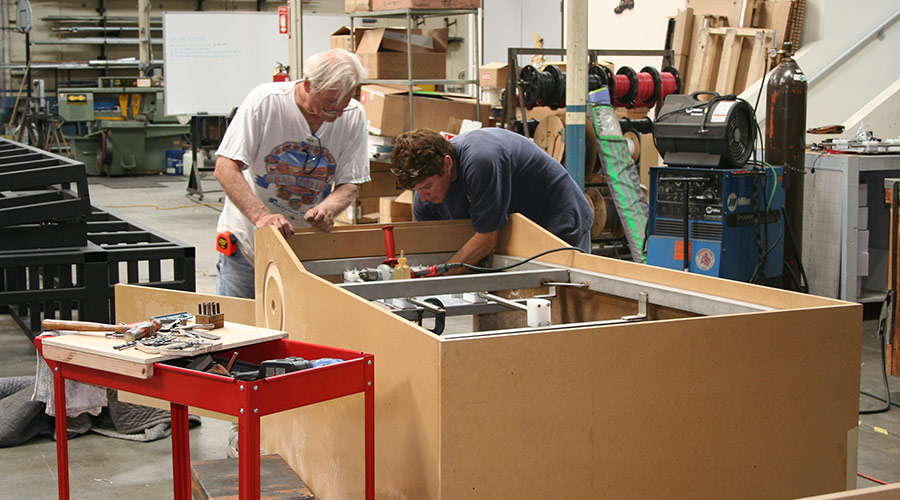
323	442
634	411
763	403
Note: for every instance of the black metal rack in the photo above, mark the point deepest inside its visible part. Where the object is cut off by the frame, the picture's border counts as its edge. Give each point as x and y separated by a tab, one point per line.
60	257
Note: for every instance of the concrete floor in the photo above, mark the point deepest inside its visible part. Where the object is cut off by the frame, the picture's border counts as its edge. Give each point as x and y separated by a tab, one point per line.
102	467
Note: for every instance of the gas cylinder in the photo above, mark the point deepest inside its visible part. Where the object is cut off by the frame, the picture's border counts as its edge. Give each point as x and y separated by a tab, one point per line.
786	145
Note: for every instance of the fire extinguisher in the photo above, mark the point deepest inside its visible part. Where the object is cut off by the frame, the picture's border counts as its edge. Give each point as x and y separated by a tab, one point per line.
281	73
785	145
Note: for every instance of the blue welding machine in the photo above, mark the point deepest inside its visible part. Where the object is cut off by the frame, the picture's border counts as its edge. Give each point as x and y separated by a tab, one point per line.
734	221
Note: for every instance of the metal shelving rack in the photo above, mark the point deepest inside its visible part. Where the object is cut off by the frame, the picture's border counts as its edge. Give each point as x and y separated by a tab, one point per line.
88	24
409	15
512	77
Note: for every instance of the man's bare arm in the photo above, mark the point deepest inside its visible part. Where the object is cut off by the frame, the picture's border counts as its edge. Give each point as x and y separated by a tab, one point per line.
230	176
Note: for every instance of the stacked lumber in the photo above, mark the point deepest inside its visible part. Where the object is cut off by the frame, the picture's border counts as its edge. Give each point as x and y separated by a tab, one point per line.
723	46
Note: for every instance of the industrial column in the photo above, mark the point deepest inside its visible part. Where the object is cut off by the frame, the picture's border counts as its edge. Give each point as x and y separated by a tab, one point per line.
576	87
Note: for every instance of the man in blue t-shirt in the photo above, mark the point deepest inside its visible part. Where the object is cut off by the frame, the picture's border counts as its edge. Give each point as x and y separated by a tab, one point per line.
484	175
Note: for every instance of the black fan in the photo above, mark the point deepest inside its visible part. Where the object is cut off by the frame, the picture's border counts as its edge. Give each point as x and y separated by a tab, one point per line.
718	133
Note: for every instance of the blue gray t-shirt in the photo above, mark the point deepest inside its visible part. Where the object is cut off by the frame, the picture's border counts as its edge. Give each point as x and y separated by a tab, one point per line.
500	173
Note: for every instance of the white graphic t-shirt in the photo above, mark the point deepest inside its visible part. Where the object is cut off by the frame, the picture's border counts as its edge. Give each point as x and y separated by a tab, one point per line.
287	166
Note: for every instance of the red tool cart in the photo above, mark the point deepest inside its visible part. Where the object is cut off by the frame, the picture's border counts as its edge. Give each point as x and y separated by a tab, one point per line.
248	401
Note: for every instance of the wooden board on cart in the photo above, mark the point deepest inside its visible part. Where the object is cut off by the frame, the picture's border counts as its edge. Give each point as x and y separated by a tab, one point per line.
589	410
218	480
99	352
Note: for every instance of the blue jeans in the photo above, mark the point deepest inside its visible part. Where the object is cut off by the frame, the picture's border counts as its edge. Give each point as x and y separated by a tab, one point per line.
235	278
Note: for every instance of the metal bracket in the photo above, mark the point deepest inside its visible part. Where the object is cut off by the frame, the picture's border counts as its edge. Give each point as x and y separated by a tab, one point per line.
642	309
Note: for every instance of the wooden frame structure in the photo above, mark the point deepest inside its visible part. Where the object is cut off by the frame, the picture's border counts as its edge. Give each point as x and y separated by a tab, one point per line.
761	403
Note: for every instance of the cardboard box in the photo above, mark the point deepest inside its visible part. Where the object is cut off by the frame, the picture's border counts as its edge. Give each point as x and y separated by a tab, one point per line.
493	75
382	184
382	52
361	211
387	109
396	208
357	5
340	39
382	163
425	4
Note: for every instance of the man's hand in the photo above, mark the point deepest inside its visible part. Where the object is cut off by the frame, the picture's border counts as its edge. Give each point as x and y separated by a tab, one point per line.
277	220
230	176
320	217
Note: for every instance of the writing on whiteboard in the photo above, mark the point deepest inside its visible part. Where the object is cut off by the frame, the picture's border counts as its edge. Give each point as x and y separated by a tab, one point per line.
195	47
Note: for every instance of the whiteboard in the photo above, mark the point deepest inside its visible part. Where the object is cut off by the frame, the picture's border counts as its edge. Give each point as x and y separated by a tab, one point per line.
214	59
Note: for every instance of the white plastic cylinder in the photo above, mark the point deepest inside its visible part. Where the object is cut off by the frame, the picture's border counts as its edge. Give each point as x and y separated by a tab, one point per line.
187	160
538	312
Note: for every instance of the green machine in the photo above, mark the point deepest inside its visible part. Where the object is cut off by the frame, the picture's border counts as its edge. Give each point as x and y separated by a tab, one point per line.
127	130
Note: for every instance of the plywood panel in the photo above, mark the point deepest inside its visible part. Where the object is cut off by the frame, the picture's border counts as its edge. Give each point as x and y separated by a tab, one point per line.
631	411
358	241
100	352
323	442
133	303
137	303
593	412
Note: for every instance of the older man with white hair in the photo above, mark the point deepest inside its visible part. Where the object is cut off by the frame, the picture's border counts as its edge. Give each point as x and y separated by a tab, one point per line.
286	146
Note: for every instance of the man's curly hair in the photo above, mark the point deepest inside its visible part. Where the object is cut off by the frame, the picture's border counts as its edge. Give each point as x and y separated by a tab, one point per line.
419	153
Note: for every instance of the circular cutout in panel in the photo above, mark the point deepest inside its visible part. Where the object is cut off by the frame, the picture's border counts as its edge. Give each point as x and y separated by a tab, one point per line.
273	298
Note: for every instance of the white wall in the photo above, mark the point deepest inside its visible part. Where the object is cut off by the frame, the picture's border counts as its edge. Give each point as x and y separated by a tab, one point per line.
851	85
643	27
511	23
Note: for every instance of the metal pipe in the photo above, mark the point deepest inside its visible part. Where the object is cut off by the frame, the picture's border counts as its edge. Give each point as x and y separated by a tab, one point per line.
503	302
426	305
853	49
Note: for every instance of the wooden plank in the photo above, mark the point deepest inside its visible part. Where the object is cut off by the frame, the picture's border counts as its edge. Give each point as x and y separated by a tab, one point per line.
132	304
737	31
703	57
92	360
755	68
728	64
776	15
218	480
351	241
728	9
681	38
99	353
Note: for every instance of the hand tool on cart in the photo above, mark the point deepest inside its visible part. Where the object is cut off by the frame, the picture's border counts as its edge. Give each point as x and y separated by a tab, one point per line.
132	332
210	312
82	326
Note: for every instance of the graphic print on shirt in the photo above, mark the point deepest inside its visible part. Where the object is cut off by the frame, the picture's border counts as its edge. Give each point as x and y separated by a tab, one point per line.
301	173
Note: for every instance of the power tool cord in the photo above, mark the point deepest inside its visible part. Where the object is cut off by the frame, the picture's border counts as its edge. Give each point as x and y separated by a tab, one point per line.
884	323
479	269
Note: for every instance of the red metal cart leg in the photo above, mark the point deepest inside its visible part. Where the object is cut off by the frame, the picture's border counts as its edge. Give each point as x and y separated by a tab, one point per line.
181	452
248	455
62	433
